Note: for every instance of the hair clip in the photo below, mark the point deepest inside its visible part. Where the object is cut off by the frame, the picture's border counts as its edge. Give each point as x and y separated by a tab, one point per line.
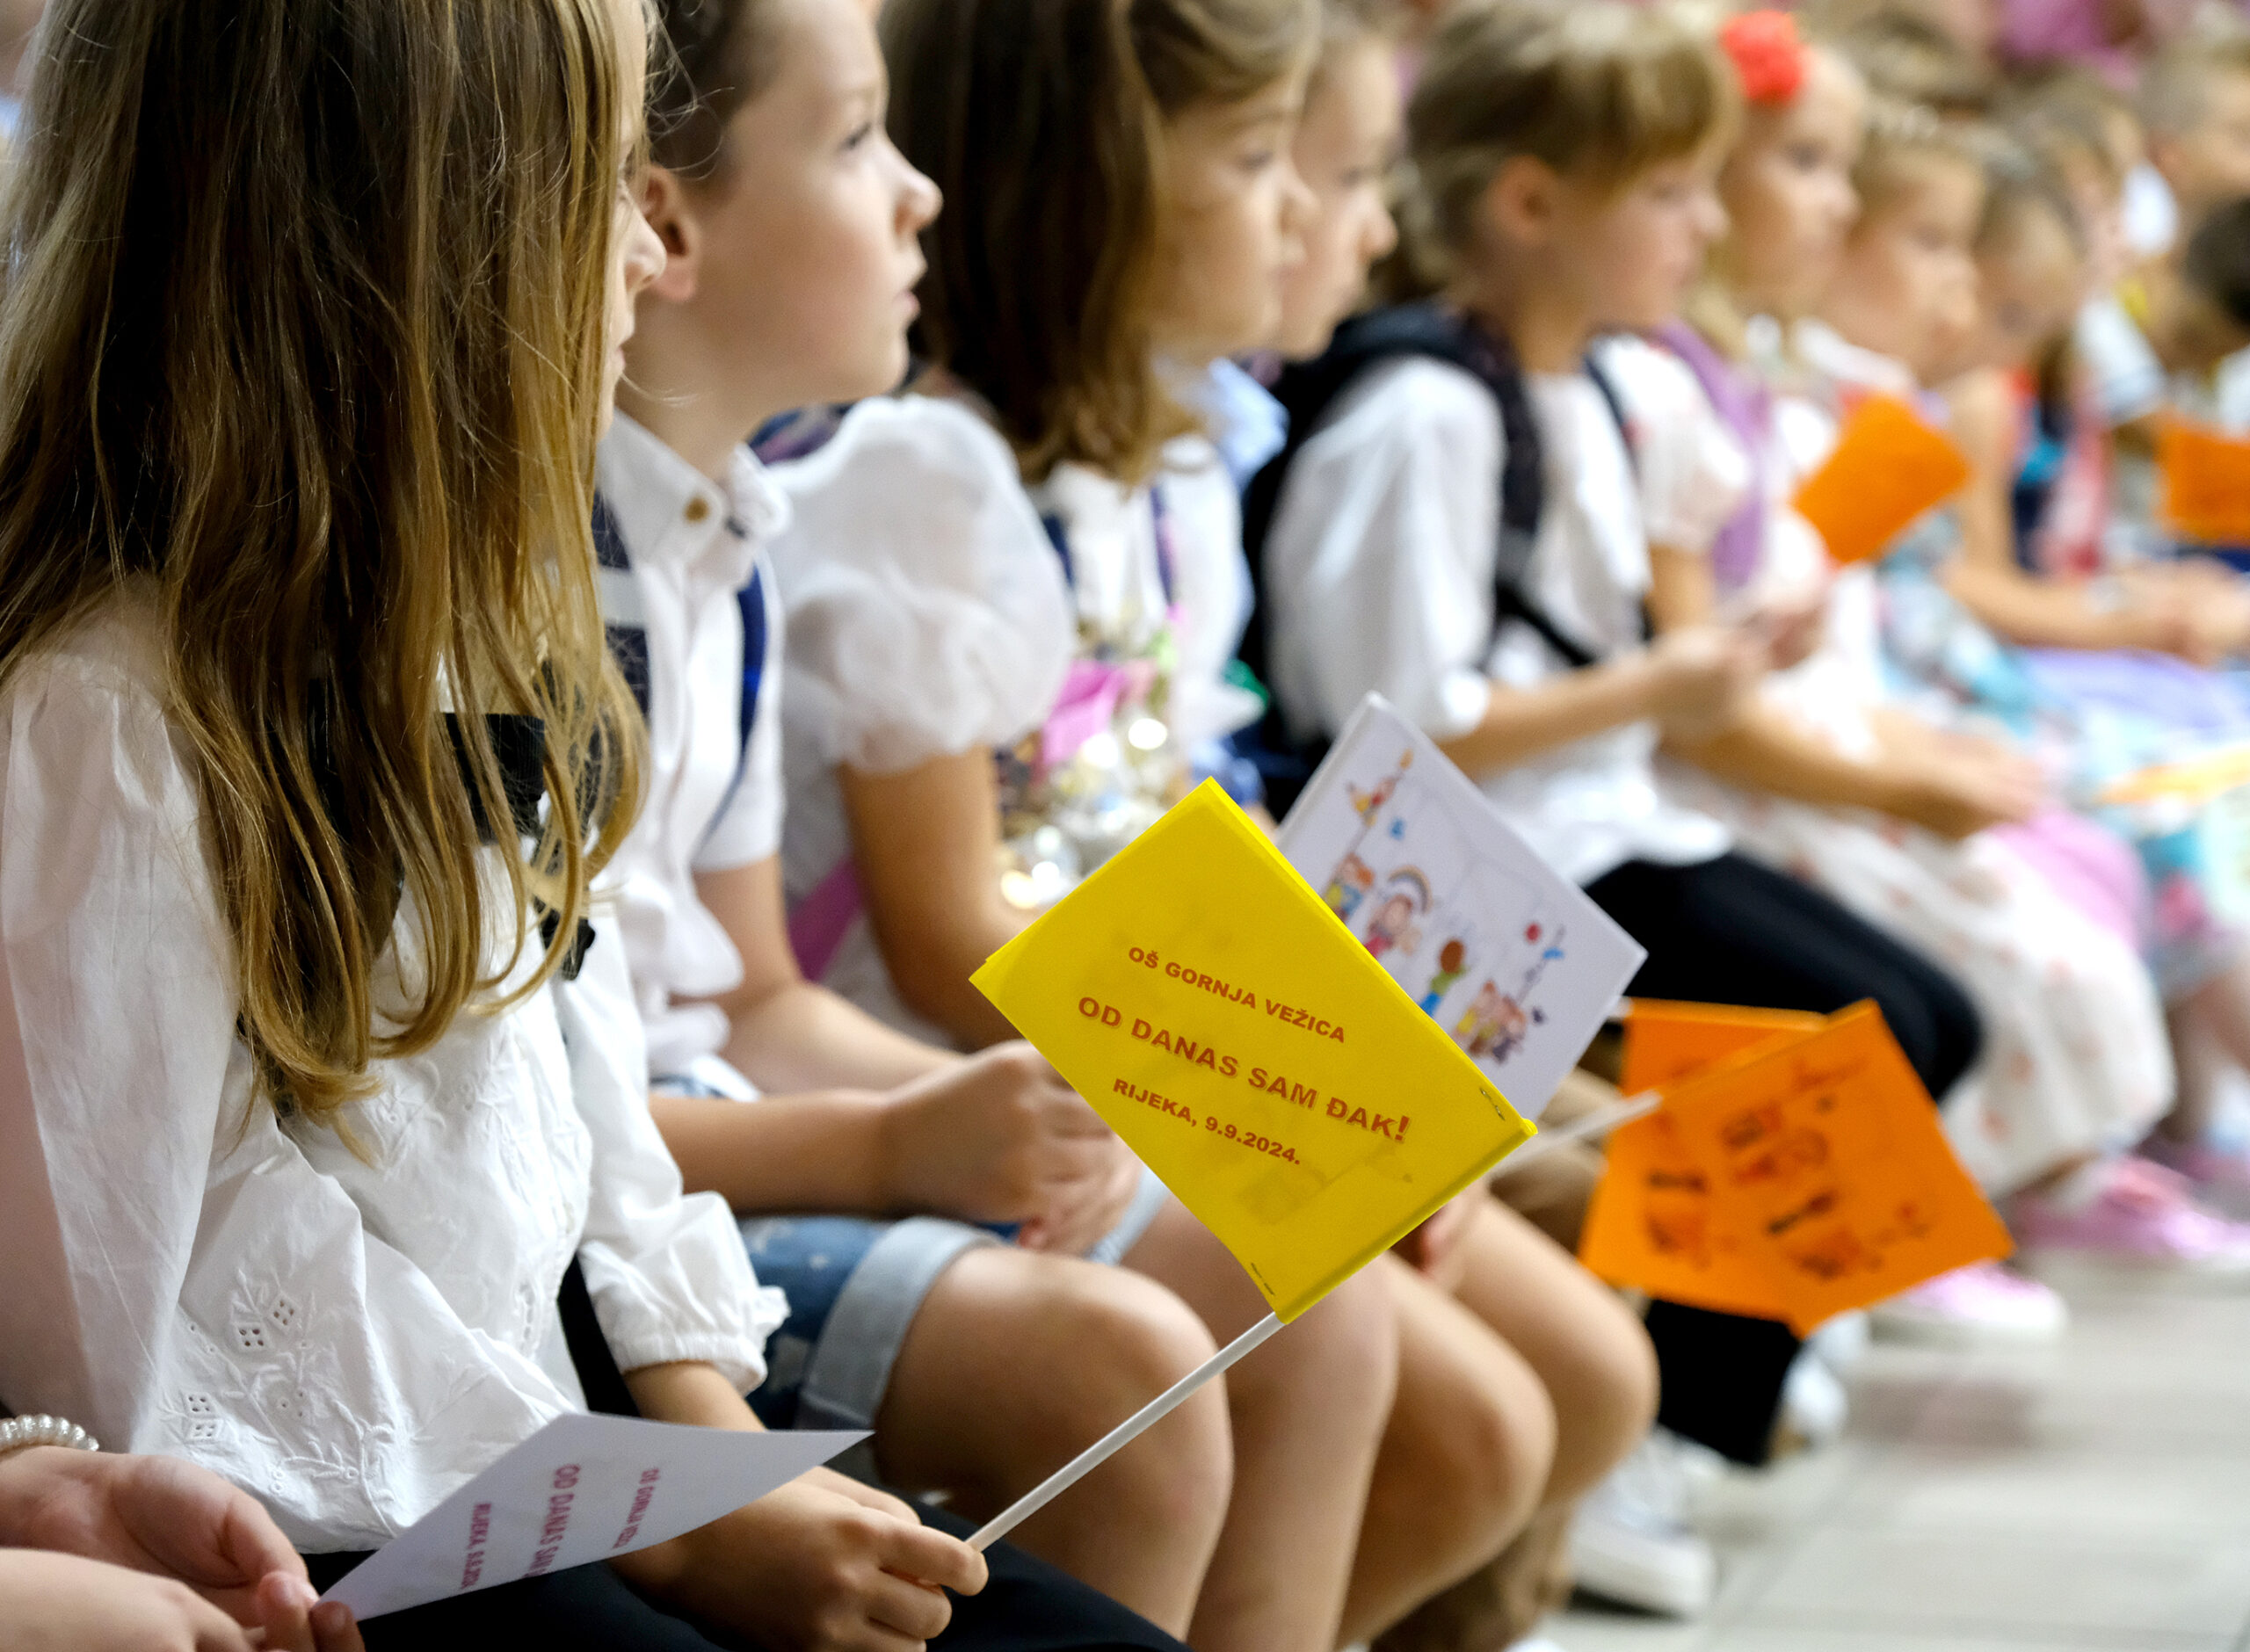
1768	56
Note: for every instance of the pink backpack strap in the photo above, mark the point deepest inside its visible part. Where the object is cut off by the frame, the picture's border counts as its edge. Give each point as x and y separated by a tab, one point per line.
818	923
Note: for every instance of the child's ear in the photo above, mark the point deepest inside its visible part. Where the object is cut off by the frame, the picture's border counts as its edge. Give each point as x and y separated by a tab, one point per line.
670	208
1523	200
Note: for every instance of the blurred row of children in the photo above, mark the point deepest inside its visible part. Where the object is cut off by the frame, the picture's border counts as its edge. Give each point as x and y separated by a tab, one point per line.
1165	493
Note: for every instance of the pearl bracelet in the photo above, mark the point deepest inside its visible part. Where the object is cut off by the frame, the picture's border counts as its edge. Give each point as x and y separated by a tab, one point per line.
21	1433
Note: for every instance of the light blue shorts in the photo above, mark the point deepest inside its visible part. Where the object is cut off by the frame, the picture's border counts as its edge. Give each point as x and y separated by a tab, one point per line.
854	1285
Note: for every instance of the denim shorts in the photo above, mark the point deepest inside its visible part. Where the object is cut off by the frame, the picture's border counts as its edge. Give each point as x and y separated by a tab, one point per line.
854	1285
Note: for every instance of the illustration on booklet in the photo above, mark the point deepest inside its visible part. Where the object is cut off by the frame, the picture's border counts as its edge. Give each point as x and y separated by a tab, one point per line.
1406	852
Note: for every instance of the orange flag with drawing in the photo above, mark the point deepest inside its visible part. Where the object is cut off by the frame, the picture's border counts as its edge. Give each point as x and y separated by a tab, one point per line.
2206	476
1803	1175
1666	1042
1888	468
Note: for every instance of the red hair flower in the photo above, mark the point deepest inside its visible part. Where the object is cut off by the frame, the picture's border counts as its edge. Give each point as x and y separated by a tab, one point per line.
1769	54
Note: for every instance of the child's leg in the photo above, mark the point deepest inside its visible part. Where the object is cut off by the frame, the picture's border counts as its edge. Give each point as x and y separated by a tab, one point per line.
1308	1410
1018	1361
1728	931
1465	1460
1594	1360
1587	1348
2210	1030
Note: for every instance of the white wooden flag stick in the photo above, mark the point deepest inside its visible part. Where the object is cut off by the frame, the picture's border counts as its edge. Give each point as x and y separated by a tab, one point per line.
1094	1455
1598	1122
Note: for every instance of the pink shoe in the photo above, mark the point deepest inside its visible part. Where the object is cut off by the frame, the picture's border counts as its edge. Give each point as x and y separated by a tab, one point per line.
2144	1218
1980	1306
2217	1176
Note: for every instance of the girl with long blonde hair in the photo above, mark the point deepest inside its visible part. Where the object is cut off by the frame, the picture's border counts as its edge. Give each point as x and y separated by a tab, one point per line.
327	1163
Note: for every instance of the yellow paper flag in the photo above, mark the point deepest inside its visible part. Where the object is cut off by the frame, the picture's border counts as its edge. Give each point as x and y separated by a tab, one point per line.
1208	1005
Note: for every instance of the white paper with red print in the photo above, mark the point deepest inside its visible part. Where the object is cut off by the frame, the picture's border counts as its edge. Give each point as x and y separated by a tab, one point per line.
584	1488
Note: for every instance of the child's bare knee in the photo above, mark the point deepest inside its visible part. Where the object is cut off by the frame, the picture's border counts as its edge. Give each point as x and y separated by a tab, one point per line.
1498	1455
1345	1350
1146	1339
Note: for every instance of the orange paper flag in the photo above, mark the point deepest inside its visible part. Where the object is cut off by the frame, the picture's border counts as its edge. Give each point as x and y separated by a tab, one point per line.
1805	1177
2206	493
1665	1041
1888	470
1654	1225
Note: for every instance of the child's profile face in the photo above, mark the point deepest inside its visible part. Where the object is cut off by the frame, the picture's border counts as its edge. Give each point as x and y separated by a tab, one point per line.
637	258
2209	164
1906	287
2029	289
1638	247
1788	190
1343	152
808	240
1232	226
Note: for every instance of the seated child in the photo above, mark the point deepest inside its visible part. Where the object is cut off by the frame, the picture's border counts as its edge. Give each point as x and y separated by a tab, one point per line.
929	622
981	1366
1565	156
2146	345
1042	544
1589	1353
323	1095
2000	578
2080	1196
1823	781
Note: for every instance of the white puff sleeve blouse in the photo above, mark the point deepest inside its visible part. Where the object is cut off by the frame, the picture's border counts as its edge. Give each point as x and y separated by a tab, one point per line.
1692	470
349	1338
1380	568
927	613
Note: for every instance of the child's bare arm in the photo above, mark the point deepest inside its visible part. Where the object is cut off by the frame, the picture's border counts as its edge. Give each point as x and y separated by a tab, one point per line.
789	1034
927	846
1987	580
1696	681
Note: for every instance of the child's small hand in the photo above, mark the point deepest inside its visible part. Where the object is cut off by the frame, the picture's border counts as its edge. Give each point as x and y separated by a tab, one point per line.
60	1600
1958	786
1704	677
823	1564
1001	1137
169	1519
1792	633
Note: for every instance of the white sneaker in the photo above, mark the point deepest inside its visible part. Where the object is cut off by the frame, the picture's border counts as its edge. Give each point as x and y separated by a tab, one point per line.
1842	1341
1630	1541
1814	1406
1981	1305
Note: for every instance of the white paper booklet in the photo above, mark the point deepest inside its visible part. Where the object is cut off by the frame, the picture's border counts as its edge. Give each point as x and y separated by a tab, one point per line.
1510	959
583	1489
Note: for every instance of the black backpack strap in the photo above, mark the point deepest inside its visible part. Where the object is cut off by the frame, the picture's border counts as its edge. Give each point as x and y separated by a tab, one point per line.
628	637
1615	403
1309	390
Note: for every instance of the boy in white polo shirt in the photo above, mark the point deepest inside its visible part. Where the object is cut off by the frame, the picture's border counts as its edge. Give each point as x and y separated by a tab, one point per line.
871	1171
